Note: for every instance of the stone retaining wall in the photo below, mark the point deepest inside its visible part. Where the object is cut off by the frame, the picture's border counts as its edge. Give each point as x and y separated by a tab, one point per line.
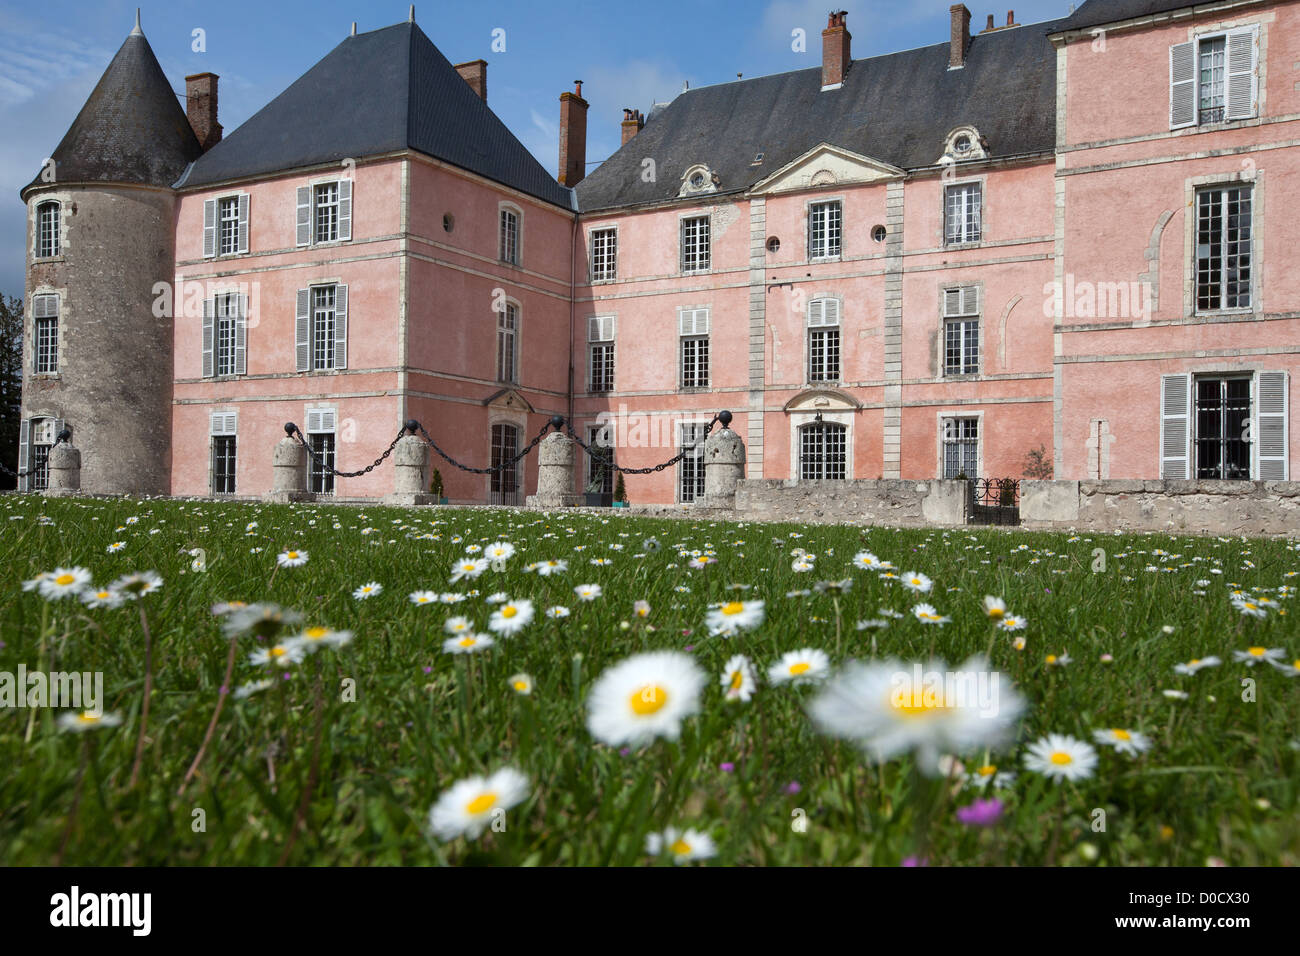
1206	507
873	501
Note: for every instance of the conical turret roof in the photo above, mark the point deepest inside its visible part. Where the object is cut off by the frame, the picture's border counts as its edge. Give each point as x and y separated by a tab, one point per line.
131	130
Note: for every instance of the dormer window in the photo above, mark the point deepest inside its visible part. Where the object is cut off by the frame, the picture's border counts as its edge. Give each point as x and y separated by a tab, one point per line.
963	143
698	179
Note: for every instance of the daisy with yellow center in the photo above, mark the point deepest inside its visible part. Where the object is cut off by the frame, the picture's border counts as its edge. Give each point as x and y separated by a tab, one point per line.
738	681
1128	742
467	644
1256	655
682	846
316	637
511	617
291	559
1061	757
1196	664
423	597
472	805
80	721
278	655
808	665
994	607
644	697
521	684
926	614
63	582
734	616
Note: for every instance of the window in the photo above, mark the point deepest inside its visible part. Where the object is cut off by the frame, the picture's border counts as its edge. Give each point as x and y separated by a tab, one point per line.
695	244
600	339
324	212
1214	78
961	447
1223	248
45	329
505	482
222	429
825	228
694	333
509	236
321	333
600	476
1222	435
48	236
604	255
227	316
690	470
824	340
225	226
961	331
323	317
507	343
822	451
321	439
961	205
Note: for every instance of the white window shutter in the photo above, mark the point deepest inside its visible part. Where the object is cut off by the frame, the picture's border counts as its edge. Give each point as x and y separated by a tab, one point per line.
970	300
816	312
593	329
223	423
1175	426
600	328
1182	85
694	322
24	445
241	237
302	330
341	326
209	313
304	216
345	209
209	228
1271	426
313	420
241	337
321	419
830	311
1241	82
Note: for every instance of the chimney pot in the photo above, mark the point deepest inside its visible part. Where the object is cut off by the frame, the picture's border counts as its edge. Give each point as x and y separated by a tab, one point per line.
1011	18
633	123
990	23
573	137
201	108
959	36
475	74
836	56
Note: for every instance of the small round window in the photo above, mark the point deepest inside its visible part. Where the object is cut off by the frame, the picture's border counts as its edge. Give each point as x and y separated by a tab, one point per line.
773	244
962	144
697	180
448	222
878	233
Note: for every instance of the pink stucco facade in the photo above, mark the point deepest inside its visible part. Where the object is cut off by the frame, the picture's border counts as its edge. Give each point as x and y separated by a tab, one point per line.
1066	356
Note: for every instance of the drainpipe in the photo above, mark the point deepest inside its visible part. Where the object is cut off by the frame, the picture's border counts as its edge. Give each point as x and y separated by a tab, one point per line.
573	302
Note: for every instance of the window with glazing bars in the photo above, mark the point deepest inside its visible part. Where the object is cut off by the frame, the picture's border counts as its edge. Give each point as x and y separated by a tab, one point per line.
695	361
961	349
327	212
48	242
822	450
324	318
825	228
962	213
228	226
690	470
319	478
505	481
604	255
227	317
223	464
507	329
961	447
695	244
45	327
510	237
1223	248
1222	424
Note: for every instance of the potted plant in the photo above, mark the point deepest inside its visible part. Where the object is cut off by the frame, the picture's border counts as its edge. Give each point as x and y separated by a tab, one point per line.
620	492
596	496
435	487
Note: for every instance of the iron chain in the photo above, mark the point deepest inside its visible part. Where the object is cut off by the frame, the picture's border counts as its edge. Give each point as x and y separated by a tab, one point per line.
316	456
604	457
502	466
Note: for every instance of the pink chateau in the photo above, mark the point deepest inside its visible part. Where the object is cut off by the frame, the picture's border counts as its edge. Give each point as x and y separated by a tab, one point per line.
1062	237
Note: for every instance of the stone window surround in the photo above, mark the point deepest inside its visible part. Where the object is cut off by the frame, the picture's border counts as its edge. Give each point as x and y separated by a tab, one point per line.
801	417
677	472
591	256
941	345
1248	174
519	420
944	182
312	184
65	213
29	336
807	229
808	384
681	218
940	417
506	206
518	338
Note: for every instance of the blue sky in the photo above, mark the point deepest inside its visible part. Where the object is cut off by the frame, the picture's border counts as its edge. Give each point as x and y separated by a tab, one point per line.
627	54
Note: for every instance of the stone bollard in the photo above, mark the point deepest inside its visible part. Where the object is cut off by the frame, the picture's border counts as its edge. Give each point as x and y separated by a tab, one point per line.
724	466
555	457
64	470
289	472
410	471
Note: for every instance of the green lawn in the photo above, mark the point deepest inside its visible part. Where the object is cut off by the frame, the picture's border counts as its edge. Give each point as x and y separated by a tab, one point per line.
341	758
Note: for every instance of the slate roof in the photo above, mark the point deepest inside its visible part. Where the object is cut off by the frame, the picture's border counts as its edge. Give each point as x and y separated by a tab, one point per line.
896	108
377	92
1094	13
131	130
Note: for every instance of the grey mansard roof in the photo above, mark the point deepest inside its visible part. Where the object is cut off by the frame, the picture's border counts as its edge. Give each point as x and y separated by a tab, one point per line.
131	130
374	93
896	108
1094	13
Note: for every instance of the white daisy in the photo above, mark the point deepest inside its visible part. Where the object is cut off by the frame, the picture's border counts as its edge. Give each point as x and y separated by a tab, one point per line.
467	643
62	582
115	547
994	607
988	775
867	561
915	581
587	592
468	568
553	566
511	618
1255	655
738	679
101	597
684	846
557	612
1128	742
1061	757
291	559
734	616
644	697
316	637
423	597
368	590
521	684
472	804
137	585
278	655
252	687
1249	607
80	721
1291	669
1012	622
890	708
926	614
1196	664
458	625
804	666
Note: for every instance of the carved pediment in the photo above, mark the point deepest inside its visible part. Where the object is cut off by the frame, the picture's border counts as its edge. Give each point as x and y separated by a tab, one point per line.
822	400
510	400
826	166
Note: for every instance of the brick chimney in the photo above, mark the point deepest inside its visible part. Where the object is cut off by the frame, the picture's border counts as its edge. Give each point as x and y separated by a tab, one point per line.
201	108
1011	22
475	74
633	123
835	50
960	37
573	136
